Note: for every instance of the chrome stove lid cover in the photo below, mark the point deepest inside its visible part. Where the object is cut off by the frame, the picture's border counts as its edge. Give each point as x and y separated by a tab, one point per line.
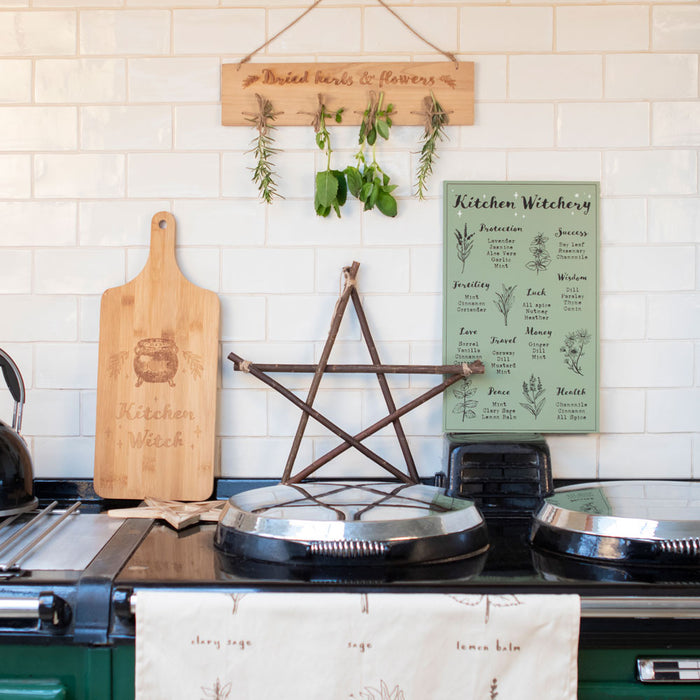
649	522
350	522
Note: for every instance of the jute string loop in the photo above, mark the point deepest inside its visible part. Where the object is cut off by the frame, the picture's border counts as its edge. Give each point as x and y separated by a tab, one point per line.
447	54
347	279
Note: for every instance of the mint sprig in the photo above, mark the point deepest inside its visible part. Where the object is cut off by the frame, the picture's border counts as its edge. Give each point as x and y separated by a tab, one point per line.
367	181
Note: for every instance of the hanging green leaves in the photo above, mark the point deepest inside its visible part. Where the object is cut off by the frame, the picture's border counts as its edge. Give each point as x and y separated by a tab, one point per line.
264	175
367	181
436	119
330	192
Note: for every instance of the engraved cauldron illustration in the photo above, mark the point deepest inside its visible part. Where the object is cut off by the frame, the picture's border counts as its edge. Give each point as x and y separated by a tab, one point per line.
155	361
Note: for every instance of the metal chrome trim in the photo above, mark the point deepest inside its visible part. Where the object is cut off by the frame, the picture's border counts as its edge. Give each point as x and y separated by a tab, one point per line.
690	546
236	516
348	549
679	607
669	670
19	608
36	519
8	565
665	533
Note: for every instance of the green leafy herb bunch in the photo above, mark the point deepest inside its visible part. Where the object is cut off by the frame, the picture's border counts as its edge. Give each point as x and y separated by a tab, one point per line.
331	190
367	181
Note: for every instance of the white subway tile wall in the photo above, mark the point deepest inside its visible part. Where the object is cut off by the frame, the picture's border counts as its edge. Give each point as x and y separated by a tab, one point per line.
109	113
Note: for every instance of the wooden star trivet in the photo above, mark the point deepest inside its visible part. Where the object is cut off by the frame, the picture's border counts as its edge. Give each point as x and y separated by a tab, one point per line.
179	514
454	372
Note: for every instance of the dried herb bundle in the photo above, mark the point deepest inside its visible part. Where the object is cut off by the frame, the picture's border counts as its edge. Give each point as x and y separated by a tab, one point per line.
436	119
263	173
331	190
368	182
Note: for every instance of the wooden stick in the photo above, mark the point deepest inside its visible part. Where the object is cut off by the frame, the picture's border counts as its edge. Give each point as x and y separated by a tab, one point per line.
179	514
474	368
350	275
377	426
384	386
210	515
309	411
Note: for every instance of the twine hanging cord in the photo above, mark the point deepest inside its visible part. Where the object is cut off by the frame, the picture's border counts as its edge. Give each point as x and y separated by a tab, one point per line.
313	6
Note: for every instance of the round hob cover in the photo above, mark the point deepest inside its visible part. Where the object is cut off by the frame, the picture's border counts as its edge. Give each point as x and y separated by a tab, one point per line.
645	522
345	523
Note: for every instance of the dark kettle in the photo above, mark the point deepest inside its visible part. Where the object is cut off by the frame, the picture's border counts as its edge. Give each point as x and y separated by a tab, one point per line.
16	475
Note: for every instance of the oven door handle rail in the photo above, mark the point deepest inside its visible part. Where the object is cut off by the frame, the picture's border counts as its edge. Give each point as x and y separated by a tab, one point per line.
667	607
46	607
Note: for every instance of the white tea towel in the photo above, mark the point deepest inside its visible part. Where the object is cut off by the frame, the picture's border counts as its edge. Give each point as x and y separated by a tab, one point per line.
376	646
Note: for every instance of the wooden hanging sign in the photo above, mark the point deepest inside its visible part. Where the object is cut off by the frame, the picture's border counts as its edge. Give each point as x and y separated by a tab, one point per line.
293	90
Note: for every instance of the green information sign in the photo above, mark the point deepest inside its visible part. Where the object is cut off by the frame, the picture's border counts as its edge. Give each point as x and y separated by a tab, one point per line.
521	294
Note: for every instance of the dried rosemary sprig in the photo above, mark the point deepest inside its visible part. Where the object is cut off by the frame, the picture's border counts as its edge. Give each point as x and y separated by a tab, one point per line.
436	119
264	175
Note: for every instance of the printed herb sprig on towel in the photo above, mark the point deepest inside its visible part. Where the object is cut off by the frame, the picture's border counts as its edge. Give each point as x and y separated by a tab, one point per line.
504	301
381	693
436	120
573	349
533	392
218	691
465	243
331	189
368	182
263	173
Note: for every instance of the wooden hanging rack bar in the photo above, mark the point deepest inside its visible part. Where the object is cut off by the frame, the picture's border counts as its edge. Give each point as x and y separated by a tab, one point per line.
293	90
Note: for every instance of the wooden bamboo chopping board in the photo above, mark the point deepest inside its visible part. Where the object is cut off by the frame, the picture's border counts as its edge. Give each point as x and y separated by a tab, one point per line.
156	381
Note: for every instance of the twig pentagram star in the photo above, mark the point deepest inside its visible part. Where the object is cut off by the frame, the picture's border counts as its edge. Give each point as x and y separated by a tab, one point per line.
454	372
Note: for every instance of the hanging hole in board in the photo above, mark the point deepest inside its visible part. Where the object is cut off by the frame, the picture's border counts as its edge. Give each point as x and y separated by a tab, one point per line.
163	223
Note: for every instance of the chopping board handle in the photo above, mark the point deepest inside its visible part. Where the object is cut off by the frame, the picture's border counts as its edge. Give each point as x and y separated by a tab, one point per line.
162	240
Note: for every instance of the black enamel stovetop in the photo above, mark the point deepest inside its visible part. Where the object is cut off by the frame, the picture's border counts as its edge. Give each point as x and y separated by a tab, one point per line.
651	604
